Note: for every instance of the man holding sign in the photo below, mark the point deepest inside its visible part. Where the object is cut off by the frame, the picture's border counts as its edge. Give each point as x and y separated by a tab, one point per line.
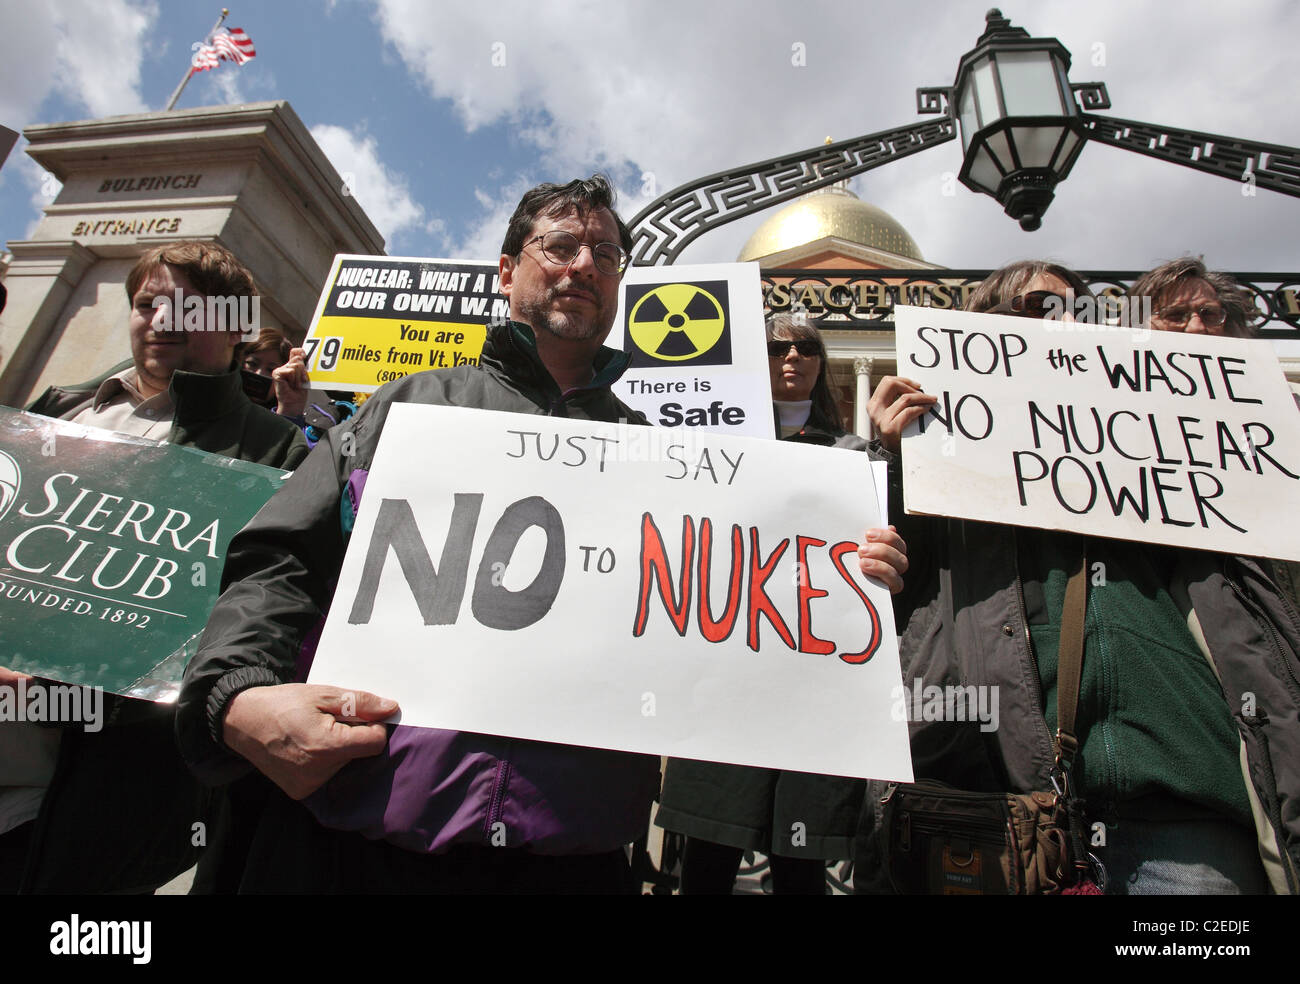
115	810
1186	726
421	809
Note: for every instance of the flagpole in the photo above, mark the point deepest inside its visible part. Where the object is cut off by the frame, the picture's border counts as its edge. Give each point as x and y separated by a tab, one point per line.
177	94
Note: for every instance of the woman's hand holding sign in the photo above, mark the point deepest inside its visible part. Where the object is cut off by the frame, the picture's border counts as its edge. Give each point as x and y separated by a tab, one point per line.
883	555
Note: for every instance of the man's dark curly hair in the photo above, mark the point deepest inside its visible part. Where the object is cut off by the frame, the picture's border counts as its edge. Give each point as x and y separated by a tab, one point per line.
581	195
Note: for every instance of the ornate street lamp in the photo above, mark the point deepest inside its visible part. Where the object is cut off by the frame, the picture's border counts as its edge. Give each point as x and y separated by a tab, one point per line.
1021	132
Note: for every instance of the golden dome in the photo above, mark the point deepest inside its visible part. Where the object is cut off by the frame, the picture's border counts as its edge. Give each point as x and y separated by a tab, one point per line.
832	211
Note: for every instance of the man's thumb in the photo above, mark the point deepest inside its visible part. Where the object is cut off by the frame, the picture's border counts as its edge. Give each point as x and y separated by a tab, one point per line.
370	707
357	705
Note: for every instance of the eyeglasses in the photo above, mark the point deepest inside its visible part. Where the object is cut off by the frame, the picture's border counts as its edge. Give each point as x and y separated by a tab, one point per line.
562	248
1211	315
1032	305
807	347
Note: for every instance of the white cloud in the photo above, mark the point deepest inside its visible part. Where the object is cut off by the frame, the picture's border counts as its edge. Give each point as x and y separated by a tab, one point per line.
483	240
227	85
96	48
44	186
681	89
382	192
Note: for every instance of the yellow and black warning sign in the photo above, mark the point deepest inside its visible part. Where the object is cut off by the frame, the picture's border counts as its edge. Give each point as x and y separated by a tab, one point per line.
380	318
681	324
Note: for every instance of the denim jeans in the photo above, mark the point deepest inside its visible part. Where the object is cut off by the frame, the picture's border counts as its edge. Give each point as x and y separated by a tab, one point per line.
1185	857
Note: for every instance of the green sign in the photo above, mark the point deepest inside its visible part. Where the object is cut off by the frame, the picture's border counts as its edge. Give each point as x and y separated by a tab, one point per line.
111	550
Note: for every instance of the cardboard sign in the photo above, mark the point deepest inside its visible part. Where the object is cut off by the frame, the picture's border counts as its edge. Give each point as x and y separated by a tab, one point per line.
699	354
1160	437
380	318
111	550
636	588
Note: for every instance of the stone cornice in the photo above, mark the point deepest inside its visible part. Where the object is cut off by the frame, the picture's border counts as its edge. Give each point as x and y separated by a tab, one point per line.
269	131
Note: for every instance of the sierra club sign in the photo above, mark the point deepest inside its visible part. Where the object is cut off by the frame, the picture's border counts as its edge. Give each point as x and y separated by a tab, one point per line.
1160	437
111	549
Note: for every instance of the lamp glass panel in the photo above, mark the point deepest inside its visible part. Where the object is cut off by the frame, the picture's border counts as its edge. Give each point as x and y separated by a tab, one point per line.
986	91
969	124
1000	148
1029	83
1072	140
984	172
1035	144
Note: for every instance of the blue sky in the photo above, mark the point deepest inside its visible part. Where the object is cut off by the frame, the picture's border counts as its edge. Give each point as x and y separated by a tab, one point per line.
445	112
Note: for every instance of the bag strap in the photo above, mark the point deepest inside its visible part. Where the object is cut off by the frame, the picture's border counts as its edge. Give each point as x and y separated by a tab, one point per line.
1070	662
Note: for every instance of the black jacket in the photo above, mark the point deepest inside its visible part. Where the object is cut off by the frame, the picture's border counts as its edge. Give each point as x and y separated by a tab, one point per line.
278	580
212	414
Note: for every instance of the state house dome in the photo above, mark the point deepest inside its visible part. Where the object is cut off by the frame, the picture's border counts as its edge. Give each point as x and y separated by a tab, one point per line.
833	212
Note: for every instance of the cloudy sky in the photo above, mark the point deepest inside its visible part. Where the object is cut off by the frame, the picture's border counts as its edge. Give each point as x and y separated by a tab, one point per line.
443	112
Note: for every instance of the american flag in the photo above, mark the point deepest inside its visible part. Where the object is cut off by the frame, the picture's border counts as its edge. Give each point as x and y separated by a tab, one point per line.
225	45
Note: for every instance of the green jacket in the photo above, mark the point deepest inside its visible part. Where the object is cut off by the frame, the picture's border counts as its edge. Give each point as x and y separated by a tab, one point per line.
962	623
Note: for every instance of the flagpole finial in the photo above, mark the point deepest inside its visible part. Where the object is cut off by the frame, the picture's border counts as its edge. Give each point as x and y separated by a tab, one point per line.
225	11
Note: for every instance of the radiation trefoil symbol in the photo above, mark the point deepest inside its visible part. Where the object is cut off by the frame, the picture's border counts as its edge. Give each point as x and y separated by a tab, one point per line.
679	323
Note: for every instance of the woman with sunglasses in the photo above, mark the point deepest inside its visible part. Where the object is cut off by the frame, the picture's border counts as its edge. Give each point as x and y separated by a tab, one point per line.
1184	792
1030	289
799	820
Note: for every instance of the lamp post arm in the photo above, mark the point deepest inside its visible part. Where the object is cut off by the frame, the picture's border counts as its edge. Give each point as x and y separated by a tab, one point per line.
1271	166
672	221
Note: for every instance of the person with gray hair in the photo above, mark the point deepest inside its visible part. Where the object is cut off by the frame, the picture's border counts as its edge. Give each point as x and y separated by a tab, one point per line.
1185	296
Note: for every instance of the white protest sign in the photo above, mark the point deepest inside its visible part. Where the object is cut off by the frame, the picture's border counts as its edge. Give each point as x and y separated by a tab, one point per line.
1160	437
636	588
699	354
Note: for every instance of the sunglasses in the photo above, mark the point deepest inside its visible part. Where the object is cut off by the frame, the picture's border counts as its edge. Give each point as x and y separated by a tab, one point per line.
1035	304
807	347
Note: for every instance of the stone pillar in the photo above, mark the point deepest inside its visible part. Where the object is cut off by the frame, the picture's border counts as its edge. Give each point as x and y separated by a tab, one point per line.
249	177
862	366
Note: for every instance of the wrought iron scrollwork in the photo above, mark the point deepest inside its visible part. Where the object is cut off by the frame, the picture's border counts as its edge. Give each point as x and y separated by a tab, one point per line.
1092	95
671	222
934	99
845	300
1270	166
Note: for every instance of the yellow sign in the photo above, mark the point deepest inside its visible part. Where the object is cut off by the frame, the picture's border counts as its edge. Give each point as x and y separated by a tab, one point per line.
381	350
381	318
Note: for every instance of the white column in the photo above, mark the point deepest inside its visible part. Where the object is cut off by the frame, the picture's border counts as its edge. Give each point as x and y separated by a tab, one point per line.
862	366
